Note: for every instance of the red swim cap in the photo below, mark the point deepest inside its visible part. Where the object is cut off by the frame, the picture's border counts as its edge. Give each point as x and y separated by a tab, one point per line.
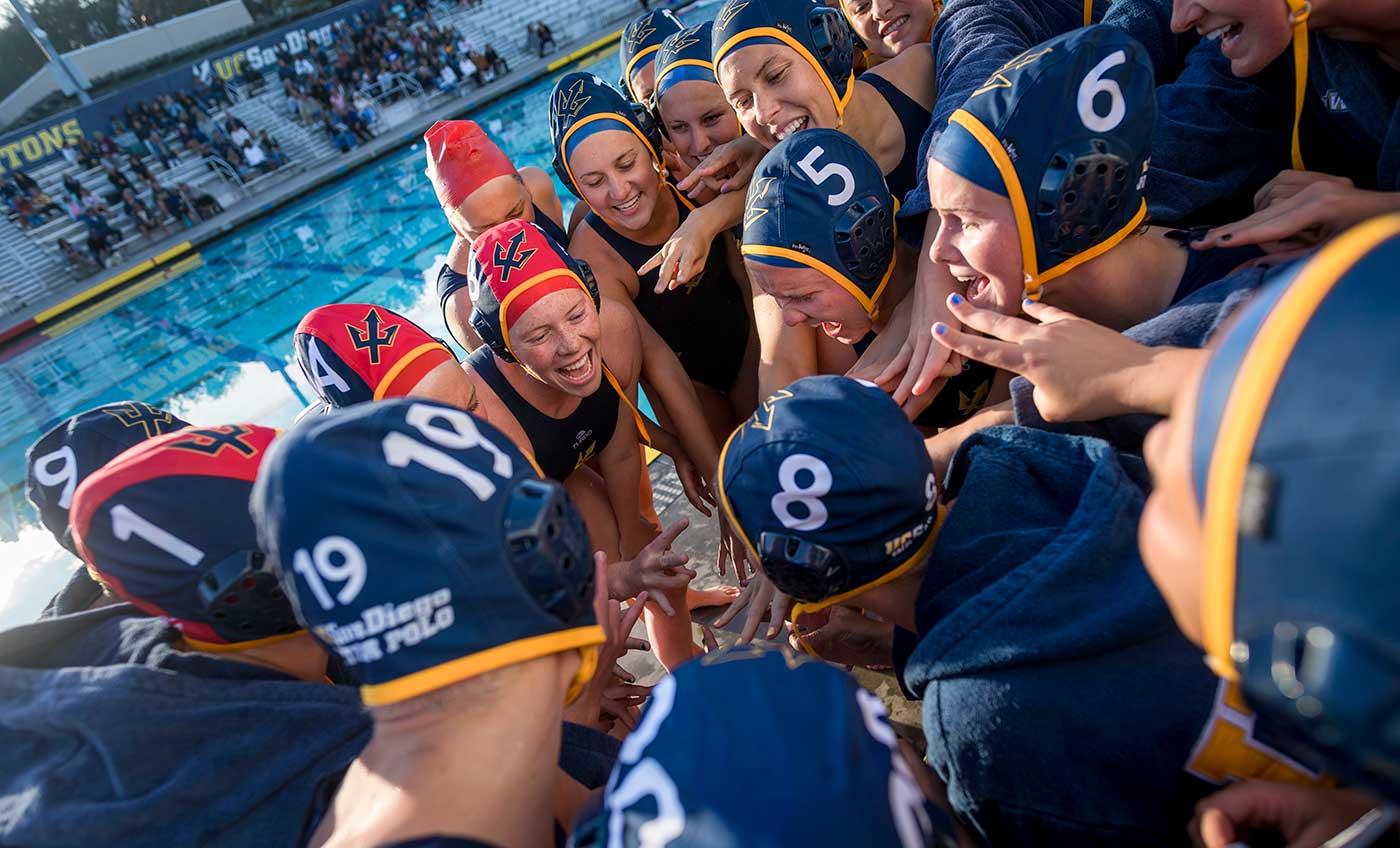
358	352
514	265
461	158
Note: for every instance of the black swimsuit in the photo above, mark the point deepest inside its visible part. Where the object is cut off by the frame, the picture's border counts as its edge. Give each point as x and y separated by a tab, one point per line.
914	120
449	281
705	323
560	445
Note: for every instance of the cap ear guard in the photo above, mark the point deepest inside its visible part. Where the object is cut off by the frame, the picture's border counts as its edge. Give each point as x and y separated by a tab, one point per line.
805	570
549	550
241	595
832	42
1088	192
865	239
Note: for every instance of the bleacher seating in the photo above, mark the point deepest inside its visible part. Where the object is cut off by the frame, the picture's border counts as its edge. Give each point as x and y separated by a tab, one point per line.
33	265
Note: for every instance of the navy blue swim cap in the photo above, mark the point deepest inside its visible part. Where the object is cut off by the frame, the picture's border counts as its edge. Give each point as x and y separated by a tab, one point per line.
818	200
582	104
166	526
65	455
819	34
1065	132
641	39
802	719
1296	463
683	56
824	508
420	544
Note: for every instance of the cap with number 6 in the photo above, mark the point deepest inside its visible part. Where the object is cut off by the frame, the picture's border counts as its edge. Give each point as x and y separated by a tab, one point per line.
818	200
819	745
65	455
831	490
166	526
421	545
1065	132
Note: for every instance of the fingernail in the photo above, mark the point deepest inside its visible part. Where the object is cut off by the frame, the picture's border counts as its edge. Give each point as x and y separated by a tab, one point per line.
1028	302
1227	236
646	646
955	299
940	328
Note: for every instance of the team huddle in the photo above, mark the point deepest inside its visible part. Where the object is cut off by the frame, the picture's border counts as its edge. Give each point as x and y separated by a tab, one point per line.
1019	347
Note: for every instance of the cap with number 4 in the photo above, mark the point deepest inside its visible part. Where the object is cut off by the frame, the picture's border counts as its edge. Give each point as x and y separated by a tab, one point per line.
420	544
831	489
64	456
1065	132
358	352
166	526
819	201
820	747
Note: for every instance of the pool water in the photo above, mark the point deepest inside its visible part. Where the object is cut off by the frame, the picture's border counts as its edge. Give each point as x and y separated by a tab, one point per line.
214	344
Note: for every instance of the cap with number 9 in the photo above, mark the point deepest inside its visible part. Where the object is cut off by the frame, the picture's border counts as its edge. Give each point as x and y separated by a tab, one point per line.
421	545
831	489
818	200
65	455
166	526
803	719
1065	132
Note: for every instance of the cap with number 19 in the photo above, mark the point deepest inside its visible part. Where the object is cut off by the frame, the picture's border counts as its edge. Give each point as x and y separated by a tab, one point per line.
831	490
420	544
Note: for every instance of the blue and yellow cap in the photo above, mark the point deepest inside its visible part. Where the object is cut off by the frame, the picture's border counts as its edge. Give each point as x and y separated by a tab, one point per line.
685	55
1296	465
819	34
806	716
77	446
419	544
581	105
831	490
641	39
1065	132
818	200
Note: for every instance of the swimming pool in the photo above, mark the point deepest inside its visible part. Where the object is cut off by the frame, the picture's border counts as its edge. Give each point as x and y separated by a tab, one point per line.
214	344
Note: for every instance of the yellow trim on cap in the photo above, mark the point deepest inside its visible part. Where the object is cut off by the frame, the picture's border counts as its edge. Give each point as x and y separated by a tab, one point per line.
724	504
627	72
773	32
455	671
403	363
871	305
1035	278
1250	393
1298	13
601	116
543	276
698	63
1088	12
227	647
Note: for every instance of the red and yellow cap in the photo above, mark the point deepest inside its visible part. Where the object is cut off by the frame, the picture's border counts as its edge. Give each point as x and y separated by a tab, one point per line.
358	352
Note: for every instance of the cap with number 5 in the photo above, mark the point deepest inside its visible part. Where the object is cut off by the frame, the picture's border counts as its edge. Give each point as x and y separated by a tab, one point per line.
818	200
831	489
819	745
1065	132
166	526
65	455
421	545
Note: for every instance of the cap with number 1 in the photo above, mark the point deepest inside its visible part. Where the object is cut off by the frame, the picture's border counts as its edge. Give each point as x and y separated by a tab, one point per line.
421	545
831	489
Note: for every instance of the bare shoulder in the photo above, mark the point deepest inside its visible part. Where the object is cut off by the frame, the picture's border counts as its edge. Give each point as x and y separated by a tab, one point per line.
494	411
459	255
616	279
912	72
621	341
542	192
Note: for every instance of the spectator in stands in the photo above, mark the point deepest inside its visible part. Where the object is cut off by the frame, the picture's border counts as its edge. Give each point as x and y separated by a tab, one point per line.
356	124
498	64
78	264
138	167
309	110
70	153
87	152
119	181
483	68
9	191
158	147
102	237
203	203
25	182
72	187
175	206
25	213
273	149
339	134
546	36
250	78
107	149
140	214
237	130
92	203
254	161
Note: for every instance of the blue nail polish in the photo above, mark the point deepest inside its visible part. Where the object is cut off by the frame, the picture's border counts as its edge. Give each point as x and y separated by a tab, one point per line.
955	299
1029	302
940	328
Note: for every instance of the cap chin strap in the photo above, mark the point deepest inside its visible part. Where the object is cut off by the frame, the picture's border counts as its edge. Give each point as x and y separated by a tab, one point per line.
587	665
1298	13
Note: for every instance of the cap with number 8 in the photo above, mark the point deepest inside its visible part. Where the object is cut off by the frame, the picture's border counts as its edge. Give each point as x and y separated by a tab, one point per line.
1065	132
818	200
166	526
831	489
421	545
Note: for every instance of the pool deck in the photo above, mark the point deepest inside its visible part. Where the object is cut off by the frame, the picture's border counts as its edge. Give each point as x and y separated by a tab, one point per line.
156	255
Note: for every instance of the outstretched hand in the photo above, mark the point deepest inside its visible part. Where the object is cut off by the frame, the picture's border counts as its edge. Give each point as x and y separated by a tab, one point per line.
1304	816
656	570
760	596
1300	209
729	167
617	626
682	258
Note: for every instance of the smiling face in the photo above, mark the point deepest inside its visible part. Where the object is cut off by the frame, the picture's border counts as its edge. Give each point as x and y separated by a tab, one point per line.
890	26
698	119
977	240
775	92
504	198
615	174
643	80
557	340
1169	534
1251	33
807	296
